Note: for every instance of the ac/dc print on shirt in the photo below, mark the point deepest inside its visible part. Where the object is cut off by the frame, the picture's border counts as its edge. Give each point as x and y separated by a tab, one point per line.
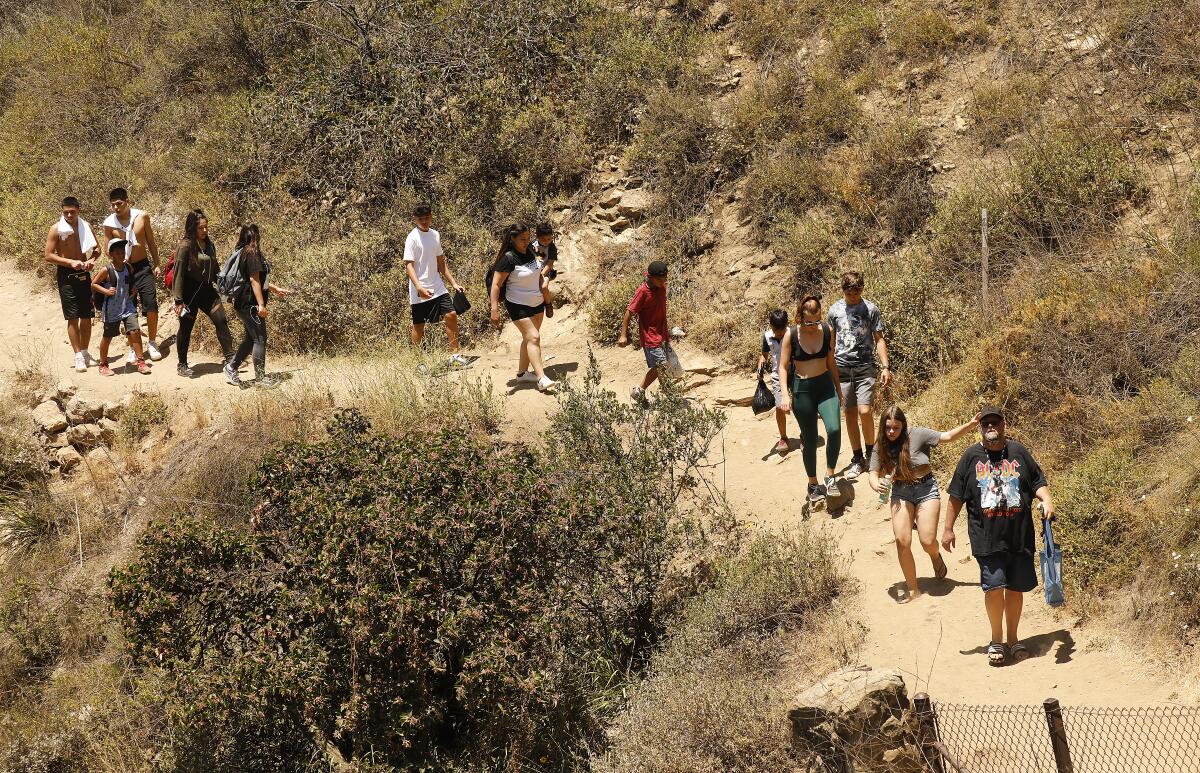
999	487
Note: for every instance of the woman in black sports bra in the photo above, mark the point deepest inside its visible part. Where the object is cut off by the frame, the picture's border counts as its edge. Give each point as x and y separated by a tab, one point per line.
806	364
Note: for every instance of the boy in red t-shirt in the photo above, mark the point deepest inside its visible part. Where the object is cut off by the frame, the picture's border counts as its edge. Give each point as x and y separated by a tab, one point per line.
650	305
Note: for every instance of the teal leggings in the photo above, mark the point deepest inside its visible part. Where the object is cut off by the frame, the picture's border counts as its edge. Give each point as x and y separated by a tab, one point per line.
812	397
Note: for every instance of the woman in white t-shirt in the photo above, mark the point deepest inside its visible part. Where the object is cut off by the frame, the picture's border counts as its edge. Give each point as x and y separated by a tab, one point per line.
903	454
517	279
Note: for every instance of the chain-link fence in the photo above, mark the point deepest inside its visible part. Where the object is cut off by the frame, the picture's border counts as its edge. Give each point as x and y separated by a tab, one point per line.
1054	739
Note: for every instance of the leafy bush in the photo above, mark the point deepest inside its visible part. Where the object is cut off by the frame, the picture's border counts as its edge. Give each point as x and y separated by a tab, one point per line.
145	413
957	226
831	111
607	309
889	185
1098	519
920	32
852	35
712	700
769	27
677	149
429	597
1004	108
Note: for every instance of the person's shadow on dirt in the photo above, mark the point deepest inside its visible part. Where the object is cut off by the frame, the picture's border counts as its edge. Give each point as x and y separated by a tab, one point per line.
930	586
794	444
554	372
1040	645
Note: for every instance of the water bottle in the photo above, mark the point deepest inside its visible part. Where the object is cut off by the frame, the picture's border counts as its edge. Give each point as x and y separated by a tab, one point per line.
886	493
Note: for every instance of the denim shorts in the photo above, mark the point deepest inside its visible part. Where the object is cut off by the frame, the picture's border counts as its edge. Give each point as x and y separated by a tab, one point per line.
1013	571
923	490
662	357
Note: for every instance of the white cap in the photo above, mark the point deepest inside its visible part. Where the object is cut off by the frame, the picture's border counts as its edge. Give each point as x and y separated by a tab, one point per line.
116	243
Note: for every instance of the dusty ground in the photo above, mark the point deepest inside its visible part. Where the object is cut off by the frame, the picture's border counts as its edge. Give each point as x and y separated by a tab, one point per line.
938	640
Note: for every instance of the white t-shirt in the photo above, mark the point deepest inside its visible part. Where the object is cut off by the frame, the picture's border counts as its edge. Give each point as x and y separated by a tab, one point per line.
112	222
524	283
422	249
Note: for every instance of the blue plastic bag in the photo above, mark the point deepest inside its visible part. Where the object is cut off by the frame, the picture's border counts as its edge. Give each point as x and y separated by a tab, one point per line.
1051	557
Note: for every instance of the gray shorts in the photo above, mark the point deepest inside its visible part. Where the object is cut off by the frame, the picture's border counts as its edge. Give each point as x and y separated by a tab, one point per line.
662	357
858	385
775	389
917	492
126	324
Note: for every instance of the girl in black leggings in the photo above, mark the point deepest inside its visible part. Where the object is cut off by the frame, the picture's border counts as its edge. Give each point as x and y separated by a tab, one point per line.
195	291
251	306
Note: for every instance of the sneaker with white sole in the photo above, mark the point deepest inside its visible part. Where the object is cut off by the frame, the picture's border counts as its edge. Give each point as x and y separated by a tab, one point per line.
266	381
130	357
637	394
80	362
855	469
152	350
816	492
545	384
831	485
458	361
231	375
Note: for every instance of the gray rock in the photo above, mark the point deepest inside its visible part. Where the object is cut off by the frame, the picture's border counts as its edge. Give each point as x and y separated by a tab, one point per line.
68	458
82	411
64	391
85	436
115	410
49	417
98	457
108	429
633	204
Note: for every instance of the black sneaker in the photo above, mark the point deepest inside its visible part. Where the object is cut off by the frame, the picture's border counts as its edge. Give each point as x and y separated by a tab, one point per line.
816	492
185	371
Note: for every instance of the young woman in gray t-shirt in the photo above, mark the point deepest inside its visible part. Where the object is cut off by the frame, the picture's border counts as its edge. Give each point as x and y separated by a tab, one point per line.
902	452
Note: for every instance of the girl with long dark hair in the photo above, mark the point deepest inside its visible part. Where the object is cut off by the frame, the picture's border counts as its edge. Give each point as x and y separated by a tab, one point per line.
517	278
902	453
251	305
195	291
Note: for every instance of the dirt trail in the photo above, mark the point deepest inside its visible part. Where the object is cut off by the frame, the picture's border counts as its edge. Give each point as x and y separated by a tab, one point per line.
937	641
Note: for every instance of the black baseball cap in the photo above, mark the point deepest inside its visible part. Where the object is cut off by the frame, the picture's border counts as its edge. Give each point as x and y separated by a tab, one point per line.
657	268
991	410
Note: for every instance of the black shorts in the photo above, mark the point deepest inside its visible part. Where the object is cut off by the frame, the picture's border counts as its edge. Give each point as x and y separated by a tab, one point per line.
145	291
1013	571
432	310
520	311
76	297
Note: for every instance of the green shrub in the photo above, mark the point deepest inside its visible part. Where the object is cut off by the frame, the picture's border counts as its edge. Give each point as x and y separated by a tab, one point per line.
425	597
957	227
1004	108
890	184
714	699
1099	526
607	309
677	149
830	113
145	413
1073	178
921	32
852	35
807	247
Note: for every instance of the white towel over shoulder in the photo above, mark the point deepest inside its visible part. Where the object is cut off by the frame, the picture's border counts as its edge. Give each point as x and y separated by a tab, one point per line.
130	236
87	242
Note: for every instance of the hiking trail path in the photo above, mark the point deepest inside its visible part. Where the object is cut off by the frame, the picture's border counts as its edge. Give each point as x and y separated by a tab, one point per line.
937	641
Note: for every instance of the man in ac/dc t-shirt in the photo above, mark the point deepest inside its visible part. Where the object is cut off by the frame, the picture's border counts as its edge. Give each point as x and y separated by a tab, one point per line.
997	479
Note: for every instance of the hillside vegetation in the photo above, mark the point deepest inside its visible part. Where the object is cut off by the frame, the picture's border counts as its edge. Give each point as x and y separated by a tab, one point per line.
781	142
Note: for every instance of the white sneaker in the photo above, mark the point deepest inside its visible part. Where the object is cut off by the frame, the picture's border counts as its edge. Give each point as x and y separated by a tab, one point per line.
458	361
854	470
130	357
637	394
545	384
80	362
155	354
528	375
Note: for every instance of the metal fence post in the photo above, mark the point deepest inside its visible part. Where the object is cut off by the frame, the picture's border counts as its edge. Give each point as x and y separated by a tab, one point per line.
1058	736
927	733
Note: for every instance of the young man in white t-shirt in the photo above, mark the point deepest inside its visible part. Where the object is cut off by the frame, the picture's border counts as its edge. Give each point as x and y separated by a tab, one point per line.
426	266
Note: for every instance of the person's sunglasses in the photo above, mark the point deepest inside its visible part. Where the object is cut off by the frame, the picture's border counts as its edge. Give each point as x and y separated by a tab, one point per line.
810	324
991	422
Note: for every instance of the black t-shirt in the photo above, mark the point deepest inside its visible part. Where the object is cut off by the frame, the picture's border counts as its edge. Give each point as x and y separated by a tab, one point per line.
998	488
254	264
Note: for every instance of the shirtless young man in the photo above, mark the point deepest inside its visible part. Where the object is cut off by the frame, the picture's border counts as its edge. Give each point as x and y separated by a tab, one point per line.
71	247
133	225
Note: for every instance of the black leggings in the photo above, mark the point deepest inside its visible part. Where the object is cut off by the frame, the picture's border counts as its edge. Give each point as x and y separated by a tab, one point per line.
205	300
255	340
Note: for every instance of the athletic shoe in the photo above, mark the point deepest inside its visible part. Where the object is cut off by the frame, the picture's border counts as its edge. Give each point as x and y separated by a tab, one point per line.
153	351
143	368
80	362
782	446
855	469
545	384
637	394
458	361
231	375
105	370
831	484
422	369
87	357
267	382
816	492
130	357
185	371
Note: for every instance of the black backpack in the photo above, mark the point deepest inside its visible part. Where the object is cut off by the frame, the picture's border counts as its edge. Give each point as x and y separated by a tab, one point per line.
487	281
